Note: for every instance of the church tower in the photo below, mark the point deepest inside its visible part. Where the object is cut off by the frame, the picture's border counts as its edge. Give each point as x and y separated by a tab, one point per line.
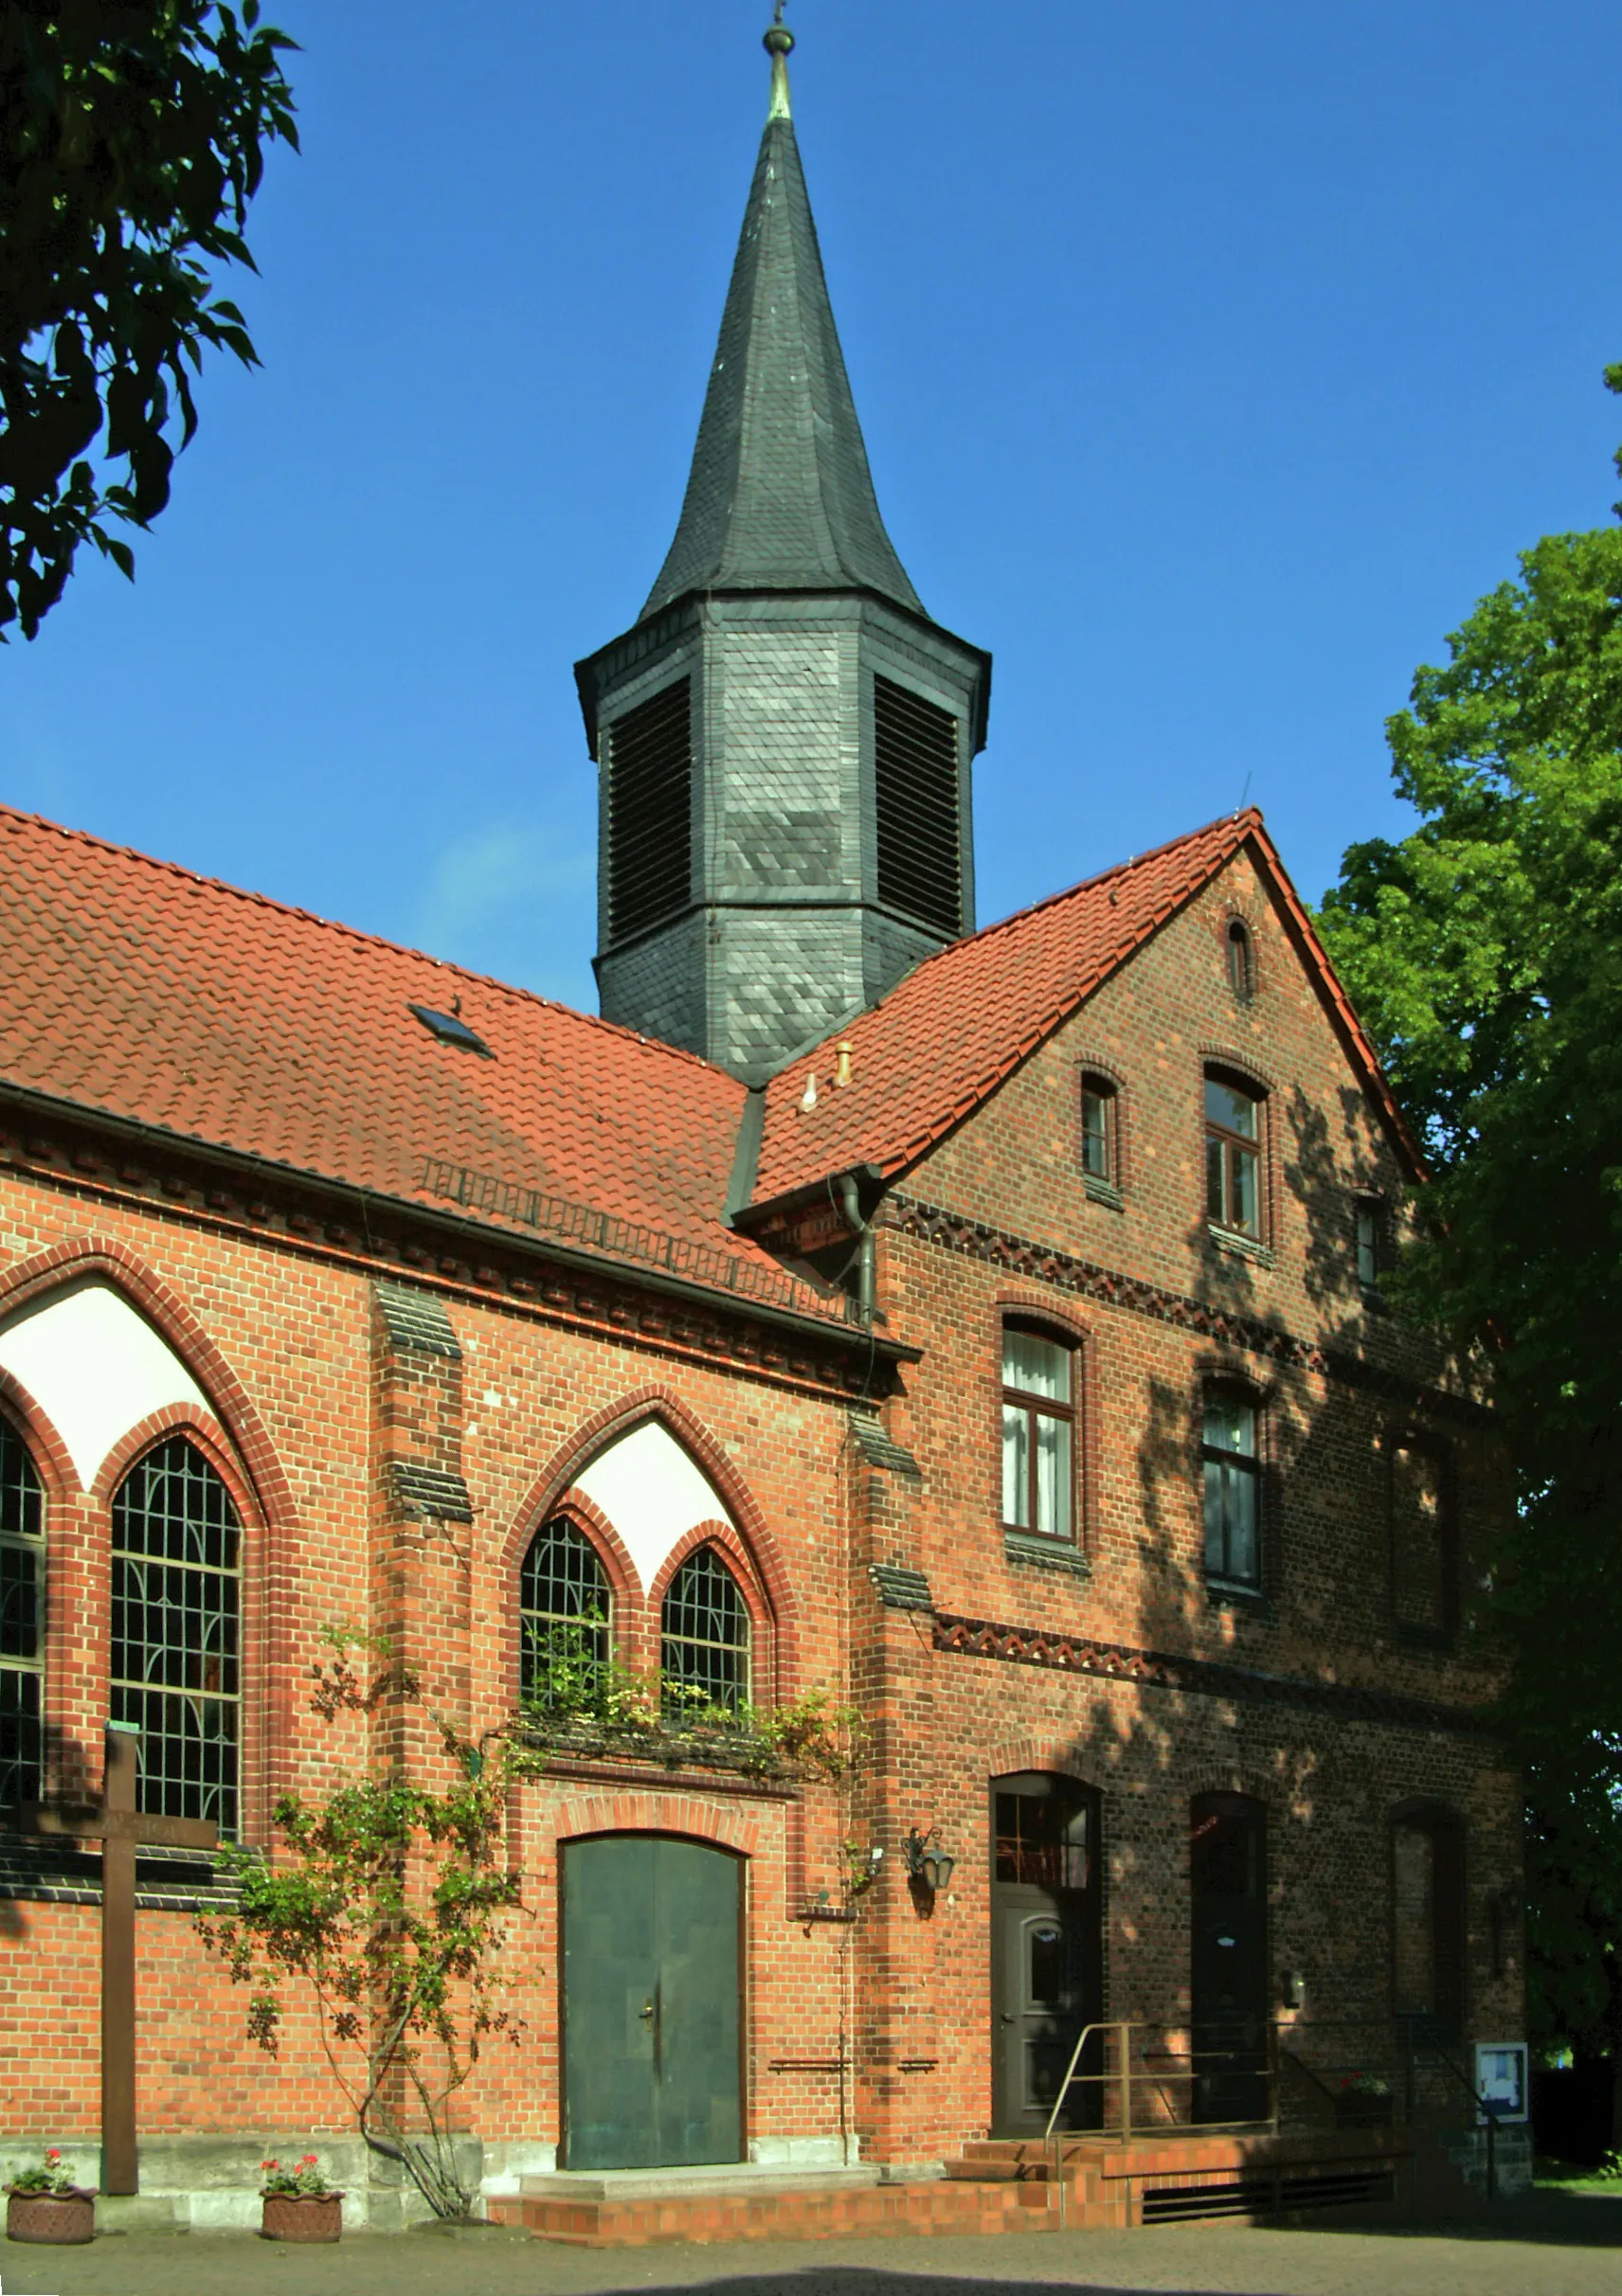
784	738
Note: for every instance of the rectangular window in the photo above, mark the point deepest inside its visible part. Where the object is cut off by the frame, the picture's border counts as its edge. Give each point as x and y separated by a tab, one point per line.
1038	1468
1233	1160
1098	1129
1233	1492
1421	1592
1368	1232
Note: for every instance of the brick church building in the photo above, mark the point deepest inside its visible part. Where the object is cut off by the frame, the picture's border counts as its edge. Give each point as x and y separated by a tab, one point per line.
984	1327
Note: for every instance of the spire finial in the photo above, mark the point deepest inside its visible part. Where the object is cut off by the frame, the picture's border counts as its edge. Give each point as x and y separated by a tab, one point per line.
779	44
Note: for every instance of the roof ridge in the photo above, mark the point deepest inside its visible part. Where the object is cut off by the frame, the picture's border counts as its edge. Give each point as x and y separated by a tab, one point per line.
1251	815
348	932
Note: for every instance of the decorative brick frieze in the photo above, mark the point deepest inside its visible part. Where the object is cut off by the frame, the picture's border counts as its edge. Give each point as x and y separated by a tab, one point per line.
1045	1263
1200	1678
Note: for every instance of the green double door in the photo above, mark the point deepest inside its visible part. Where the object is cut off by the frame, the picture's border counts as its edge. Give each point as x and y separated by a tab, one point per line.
650	2003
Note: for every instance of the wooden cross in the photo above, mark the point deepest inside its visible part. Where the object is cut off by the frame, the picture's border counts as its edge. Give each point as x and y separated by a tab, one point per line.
118	1826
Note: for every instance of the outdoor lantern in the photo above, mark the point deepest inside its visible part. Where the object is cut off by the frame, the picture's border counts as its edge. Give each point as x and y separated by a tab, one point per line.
926	1862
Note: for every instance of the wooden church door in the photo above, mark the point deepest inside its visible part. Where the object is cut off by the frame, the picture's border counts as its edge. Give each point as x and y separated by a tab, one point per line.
651	2028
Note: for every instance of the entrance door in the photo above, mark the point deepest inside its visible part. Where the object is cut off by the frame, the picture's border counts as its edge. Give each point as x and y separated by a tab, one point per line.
650	2003
1228	1875
1046	1959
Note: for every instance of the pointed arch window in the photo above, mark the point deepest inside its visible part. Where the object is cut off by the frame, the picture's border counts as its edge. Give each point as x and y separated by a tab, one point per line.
21	1619
564	1614
177	1631
704	1636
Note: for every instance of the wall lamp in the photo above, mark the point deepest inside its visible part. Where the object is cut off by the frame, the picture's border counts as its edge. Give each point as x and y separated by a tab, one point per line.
926	1864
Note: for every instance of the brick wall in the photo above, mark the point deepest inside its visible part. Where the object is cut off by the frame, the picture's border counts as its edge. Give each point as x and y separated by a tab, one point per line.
315	1403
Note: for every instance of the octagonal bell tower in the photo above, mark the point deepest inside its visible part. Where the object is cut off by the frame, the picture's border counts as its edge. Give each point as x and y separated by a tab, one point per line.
785	739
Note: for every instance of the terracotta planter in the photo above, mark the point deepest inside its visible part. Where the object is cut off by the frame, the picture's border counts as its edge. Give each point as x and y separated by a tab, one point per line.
290	2217
54	2219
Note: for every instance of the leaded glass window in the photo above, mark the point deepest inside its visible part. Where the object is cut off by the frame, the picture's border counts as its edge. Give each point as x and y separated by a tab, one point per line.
21	1619
704	1636
176	1625
563	1616
1039	1416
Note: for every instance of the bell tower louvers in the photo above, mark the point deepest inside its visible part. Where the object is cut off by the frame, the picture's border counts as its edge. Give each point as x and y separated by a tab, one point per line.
784	738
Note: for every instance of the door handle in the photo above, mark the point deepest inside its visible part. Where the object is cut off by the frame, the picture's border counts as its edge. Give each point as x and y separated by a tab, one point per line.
647	2013
1007	2019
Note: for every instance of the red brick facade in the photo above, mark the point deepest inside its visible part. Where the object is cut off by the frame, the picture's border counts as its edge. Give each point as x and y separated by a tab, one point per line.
1111	1662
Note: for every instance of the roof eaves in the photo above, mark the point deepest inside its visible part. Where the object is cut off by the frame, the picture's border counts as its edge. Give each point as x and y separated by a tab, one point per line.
544	1249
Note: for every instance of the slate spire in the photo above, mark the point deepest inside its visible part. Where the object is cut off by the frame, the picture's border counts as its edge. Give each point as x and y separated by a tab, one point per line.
779	496
784	740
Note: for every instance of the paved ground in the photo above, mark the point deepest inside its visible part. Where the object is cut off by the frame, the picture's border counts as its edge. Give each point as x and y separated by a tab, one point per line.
1553	2244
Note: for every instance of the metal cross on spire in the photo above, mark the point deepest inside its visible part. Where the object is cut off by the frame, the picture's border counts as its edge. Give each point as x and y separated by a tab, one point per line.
779	44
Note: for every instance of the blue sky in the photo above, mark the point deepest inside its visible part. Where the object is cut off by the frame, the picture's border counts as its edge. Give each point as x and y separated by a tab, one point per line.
1211	361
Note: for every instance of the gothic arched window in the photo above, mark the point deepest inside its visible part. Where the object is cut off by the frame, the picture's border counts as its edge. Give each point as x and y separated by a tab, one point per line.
704	1636
563	1617
177	1631
22	1617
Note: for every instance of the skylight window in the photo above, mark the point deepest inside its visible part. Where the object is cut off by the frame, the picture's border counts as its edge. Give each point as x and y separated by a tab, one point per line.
450	1030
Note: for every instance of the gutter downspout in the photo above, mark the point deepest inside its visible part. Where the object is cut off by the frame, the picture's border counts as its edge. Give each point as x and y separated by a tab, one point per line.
867	1266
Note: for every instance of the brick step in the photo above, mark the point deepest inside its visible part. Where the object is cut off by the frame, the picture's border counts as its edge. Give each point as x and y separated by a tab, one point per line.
975	2168
785	2211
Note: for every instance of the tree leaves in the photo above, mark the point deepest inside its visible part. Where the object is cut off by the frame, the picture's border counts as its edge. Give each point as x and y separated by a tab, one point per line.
132	139
1484	952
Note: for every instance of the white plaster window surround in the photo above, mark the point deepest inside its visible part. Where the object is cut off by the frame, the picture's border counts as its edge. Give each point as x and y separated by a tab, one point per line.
652	1493
95	1369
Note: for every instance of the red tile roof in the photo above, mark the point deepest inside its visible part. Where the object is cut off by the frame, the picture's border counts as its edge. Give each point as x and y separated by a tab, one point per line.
960	1024
133	988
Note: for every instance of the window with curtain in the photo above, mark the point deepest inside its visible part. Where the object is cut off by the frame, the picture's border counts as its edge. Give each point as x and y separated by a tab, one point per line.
176	1632
563	1616
1038	1434
21	1619
1232	1473
704	1638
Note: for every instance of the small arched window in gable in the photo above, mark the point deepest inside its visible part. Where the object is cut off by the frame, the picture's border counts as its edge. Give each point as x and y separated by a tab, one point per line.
1100	1132
177	1631
704	1638
1242	959
21	1619
563	1612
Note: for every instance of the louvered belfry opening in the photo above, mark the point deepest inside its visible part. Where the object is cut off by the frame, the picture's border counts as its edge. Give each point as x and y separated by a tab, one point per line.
915	778
650	811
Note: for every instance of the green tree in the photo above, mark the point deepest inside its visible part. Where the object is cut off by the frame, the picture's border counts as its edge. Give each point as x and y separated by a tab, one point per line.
1484	952
132	135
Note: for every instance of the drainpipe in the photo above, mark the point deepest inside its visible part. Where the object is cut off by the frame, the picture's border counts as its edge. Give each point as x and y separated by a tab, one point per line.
867	1266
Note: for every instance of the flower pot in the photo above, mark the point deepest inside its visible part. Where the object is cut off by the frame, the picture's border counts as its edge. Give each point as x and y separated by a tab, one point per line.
1361	2108
291	2216
54	2219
